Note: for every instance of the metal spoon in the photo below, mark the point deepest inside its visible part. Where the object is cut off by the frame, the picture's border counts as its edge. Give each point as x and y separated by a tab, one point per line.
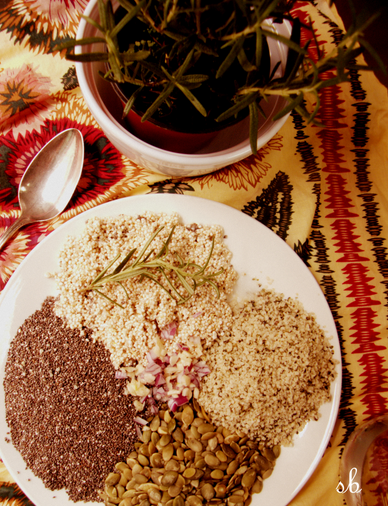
50	180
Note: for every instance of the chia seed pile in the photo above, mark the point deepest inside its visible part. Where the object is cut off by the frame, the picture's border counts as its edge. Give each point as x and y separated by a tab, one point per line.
63	382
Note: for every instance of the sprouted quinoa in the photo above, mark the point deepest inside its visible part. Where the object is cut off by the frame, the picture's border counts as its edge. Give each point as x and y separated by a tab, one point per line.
262	368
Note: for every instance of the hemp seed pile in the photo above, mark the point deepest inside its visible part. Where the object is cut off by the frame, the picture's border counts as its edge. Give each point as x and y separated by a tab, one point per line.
272	374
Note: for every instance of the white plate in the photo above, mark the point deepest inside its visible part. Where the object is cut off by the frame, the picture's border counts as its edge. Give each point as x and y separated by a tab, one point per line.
257	252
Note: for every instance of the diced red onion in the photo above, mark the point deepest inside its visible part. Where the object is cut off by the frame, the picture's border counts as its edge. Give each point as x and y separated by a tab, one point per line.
139	432
121	375
194	380
151	356
201	368
159	380
196	339
154	409
174	403
140	420
169	331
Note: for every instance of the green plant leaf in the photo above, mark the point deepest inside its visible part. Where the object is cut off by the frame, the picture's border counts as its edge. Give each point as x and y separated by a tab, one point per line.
291	44
132	13
290	106
193	79
294	58
241	104
69	44
102	11
93	22
196	103
268	11
236	48
124	262
305	114
88	57
253	126
134	56
244	62
374	54
258	46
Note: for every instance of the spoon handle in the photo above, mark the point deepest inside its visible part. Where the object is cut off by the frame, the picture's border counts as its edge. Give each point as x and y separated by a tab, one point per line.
12	229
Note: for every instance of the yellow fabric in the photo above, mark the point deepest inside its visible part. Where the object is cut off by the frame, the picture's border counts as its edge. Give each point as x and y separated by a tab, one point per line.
330	187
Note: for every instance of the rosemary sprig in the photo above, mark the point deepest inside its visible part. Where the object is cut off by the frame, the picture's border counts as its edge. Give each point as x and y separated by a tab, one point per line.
149	264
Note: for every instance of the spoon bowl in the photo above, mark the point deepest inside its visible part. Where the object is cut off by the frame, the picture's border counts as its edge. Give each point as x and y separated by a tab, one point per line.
50	180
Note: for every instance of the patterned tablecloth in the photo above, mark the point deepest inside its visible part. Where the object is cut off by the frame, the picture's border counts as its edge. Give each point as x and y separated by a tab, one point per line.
323	191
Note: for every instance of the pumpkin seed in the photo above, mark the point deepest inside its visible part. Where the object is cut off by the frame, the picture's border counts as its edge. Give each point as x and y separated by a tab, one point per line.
220	490
155	424
194	445
137	468
172	465
207	491
167	452
221	456
146	435
249	478
164	440
178	501
143	461
178	435
217	474
185	460
156	460
212	444
267	474
155	438
140	478
187	415
205	427
193	500
212	461
189	472
269	454
126	502
171	425
169	478
174	490
180	453
112	479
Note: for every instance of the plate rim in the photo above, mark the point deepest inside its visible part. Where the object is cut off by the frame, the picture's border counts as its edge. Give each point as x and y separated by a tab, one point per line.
103	210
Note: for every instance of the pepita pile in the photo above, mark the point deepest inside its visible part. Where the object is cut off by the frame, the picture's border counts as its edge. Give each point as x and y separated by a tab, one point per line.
185	460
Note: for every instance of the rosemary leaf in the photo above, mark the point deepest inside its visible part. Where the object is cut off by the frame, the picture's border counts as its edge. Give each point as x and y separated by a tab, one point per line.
196	103
161	98
108	298
147	263
88	57
238	106
291	105
253	126
236	48
99	276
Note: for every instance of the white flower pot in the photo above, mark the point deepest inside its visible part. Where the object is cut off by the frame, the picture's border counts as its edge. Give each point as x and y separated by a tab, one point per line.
228	146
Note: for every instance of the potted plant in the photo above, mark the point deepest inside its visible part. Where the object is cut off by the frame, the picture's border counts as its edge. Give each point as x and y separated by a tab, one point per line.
196	65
